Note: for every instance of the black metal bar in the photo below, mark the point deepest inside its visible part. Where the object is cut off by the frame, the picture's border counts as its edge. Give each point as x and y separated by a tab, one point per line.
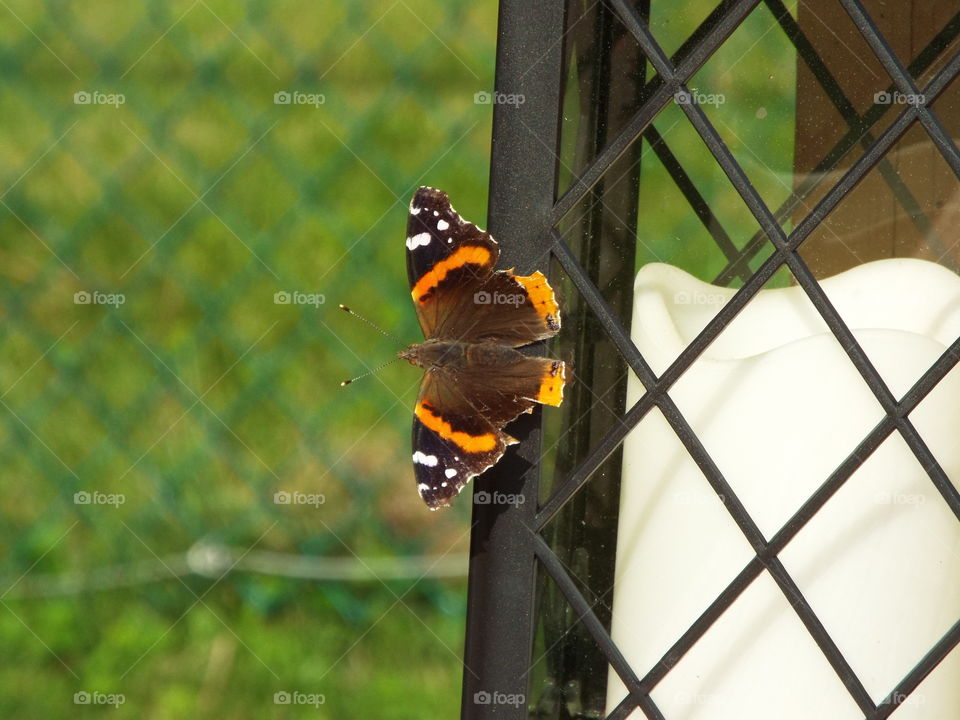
800	270
853	176
692	62
623	709
834	322
830	160
610	72
689	189
947	361
848	112
583	610
873	379
518	190
499	629
913	679
871	33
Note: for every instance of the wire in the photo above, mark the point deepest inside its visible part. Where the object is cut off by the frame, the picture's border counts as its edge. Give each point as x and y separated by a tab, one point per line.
212	560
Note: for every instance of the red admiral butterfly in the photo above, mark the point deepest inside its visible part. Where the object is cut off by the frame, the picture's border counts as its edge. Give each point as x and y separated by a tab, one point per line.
473	318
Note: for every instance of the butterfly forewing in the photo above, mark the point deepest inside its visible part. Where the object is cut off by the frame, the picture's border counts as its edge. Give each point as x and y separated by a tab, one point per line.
448	258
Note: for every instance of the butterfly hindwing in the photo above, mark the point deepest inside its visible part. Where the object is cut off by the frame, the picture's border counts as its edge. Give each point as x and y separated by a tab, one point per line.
506	308
458	425
452	443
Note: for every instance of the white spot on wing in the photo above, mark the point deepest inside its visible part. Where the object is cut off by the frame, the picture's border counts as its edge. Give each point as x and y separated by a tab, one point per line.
422	459
450	472
442	224
423	487
417	240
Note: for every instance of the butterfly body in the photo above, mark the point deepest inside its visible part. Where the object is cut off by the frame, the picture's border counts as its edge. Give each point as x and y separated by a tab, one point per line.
454	357
473	318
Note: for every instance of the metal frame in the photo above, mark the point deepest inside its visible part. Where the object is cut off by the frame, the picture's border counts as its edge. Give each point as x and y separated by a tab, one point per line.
507	543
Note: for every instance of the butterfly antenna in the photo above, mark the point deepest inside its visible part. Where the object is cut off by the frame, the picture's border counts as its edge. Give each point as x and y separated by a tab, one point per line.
375	327
369	372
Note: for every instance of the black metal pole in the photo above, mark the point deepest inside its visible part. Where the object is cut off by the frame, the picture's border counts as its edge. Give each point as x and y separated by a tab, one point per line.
500	597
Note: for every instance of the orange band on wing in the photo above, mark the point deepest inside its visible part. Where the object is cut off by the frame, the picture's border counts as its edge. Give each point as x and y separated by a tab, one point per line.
542	298
467	255
466	441
551	385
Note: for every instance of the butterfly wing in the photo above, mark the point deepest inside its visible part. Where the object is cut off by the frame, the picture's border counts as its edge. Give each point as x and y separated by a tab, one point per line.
506	308
448	259
452	442
459	419
457	294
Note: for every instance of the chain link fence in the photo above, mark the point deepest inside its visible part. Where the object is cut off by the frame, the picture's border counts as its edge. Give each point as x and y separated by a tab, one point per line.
197	518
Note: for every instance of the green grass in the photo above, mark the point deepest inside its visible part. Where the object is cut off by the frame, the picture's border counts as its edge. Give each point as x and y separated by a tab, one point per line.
198	398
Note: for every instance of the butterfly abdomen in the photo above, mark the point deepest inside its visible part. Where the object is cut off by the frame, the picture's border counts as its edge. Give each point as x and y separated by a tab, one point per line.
454	356
436	354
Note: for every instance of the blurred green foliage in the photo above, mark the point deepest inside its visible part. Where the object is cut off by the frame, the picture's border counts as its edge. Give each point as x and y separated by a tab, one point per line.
198	198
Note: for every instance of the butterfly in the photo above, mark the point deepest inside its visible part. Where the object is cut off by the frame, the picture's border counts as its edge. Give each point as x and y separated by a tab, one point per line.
473	318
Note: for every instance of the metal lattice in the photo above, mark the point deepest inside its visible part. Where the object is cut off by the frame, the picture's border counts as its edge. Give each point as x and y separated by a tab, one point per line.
506	542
